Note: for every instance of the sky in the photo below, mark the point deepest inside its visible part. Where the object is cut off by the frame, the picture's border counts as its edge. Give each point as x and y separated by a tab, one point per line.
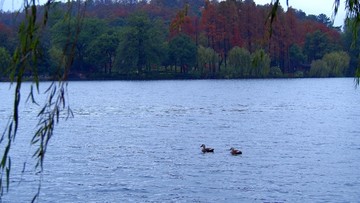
314	7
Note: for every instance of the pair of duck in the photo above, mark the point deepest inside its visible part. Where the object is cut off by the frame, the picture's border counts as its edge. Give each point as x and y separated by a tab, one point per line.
233	151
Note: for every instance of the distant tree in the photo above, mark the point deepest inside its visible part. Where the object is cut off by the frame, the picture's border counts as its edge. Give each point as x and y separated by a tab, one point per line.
239	62
102	50
297	57
182	51
260	64
337	62
301	15
319	68
275	72
208	24
127	53
56	58
207	60
166	3
183	23
317	44
4	62
352	47
5	36
91	28
322	18
141	44
251	21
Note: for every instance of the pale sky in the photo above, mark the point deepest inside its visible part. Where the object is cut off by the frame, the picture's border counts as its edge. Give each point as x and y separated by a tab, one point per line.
314	7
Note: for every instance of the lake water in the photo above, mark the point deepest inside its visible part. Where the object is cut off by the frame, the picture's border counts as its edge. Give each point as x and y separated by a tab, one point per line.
139	141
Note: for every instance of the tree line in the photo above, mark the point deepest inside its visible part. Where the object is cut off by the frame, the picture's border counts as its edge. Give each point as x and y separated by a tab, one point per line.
165	39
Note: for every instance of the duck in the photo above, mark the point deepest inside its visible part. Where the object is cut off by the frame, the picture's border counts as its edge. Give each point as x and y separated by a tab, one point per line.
205	150
235	151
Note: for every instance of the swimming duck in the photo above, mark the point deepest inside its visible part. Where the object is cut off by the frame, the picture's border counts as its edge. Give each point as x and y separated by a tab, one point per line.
204	149
235	151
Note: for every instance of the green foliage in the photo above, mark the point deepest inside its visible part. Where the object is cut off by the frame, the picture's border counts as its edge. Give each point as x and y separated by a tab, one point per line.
102	50
317	44
275	72
182	51
319	68
239	64
333	64
56	58
207	59
243	64
337	62
260	64
297	56
67	34
4	61
299	74
142	44
352	47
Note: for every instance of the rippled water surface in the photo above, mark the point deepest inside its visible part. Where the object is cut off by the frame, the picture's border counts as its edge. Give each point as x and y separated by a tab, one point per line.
139	141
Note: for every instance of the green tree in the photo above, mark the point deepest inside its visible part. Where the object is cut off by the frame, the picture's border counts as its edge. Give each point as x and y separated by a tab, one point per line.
239	62
207	60
337	62
56	58
182	51
141	44
64	34
317	44
275	72
4	61
319	68
260	64
351	46
297	57
102	50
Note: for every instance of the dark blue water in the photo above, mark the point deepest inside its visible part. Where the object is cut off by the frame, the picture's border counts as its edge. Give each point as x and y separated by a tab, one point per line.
140	142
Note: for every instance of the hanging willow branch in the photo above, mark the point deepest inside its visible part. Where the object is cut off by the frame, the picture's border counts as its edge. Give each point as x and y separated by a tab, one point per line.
25	60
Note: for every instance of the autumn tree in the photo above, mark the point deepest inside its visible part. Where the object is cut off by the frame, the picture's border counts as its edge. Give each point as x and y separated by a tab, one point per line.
208	24
183	23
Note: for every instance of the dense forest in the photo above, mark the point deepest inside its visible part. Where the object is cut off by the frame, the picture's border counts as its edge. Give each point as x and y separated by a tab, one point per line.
168	39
